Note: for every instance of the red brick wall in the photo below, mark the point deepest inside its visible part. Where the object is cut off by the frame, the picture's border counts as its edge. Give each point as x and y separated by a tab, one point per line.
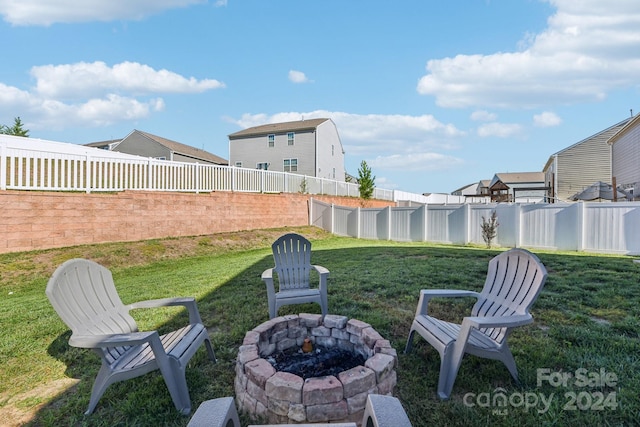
32	220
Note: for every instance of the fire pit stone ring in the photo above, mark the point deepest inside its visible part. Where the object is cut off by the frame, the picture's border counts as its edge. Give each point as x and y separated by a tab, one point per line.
283	397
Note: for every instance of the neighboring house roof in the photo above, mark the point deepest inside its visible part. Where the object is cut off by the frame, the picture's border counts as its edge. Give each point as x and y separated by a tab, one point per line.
104	144
616	129
628	124
517	177
174	146
299	125
184	149
461	191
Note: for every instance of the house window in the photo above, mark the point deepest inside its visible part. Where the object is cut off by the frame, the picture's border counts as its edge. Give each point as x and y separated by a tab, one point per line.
272	140
290	137
238	164
290	165
334	173
332	149
262	166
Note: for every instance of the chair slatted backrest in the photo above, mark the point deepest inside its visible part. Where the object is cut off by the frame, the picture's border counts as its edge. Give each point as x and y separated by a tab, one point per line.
83	294
514	281
292	257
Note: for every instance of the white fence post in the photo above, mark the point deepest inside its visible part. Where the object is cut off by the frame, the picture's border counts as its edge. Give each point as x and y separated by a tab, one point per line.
467	223
3	168
87	173
517	221
333	217
580	226
388	222
197	177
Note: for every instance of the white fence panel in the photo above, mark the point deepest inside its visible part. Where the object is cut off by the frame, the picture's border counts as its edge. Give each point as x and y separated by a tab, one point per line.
476	213
400	223
612	227
34	164
592	227
442	223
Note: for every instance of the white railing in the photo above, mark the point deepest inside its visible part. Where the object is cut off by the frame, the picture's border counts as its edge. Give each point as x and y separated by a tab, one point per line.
34	164
606	227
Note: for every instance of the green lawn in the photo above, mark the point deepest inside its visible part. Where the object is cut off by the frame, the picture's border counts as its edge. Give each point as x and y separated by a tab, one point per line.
587	324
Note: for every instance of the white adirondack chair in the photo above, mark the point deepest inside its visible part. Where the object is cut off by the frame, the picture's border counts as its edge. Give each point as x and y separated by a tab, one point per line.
514	280
292	256
83	294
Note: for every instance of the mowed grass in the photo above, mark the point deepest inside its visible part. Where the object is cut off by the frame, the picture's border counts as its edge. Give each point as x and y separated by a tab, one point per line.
587	322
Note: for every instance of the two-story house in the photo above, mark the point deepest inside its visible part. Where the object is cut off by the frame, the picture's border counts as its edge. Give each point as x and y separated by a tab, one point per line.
149	145
305	147
625	157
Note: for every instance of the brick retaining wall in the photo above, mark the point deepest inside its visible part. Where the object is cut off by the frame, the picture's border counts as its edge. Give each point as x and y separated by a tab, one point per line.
32	220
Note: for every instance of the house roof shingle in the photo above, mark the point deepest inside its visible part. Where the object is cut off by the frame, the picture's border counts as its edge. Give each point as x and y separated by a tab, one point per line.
299	125
184	149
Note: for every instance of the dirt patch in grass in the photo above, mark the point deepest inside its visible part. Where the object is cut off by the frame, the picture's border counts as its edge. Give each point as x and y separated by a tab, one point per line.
20	409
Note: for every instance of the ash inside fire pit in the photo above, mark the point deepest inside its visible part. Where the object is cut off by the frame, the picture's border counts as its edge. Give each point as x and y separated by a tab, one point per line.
320	362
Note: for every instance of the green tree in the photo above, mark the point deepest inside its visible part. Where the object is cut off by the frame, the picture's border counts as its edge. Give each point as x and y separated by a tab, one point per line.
17	129
366	182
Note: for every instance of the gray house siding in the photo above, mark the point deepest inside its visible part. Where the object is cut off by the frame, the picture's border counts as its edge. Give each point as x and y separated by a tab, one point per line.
316	148
255	150
330	152
148	145
580	165
141	146
625	148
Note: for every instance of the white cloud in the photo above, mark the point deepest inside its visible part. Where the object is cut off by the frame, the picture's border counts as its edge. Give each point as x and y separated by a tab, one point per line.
220	3
93	94
500	130
415	162
483	116
393	141
82	79
588	49
298	77
47	12
371	129
546	119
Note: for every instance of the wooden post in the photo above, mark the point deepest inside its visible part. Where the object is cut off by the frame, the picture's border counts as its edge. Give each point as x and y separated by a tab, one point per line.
615	189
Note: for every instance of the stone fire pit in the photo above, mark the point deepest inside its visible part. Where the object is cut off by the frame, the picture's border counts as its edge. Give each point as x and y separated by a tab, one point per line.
281	397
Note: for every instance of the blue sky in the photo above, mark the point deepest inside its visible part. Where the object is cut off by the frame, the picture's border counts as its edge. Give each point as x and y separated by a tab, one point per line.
434	95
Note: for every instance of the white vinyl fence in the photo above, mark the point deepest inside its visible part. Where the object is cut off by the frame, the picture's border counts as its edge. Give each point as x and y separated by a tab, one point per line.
34	164
584	226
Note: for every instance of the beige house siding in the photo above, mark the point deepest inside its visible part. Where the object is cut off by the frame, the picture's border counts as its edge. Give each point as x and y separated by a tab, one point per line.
580	165
625	147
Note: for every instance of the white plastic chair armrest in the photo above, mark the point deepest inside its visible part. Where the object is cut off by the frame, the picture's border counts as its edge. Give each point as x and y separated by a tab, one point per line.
111	340
497	322
267	277
188	302
427	294
320	269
